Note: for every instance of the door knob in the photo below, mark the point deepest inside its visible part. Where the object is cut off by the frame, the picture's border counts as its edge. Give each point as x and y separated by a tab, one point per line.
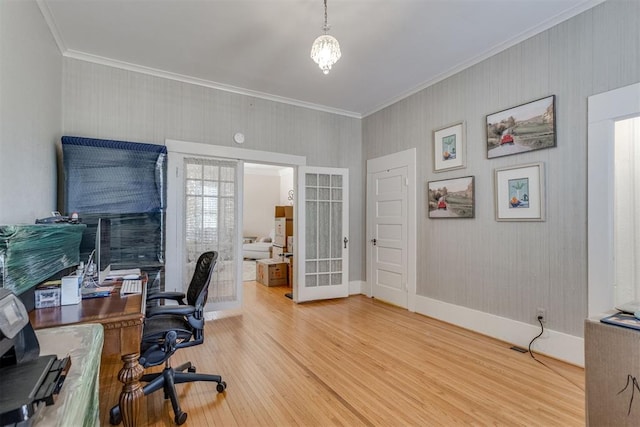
374	241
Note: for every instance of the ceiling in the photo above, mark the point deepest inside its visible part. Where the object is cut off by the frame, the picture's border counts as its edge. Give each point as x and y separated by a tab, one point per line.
390	48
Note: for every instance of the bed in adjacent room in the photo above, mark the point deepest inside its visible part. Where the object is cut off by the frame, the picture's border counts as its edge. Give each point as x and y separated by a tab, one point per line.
260	249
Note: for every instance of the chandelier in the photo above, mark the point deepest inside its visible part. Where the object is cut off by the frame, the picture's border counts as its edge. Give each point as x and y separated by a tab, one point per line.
326	49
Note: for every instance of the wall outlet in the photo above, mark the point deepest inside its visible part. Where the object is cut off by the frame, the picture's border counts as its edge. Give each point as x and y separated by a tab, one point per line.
541	313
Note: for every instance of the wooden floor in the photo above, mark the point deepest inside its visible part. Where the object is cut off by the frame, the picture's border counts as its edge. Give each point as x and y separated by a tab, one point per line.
357	361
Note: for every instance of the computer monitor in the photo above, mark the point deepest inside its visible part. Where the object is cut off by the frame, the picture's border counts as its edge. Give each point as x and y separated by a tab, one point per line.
103	249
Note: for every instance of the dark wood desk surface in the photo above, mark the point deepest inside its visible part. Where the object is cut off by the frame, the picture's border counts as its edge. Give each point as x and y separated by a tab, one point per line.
93	310
121	317
123	320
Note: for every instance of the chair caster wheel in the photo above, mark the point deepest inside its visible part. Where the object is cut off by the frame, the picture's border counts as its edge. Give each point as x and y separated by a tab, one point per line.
192	369
222	386
181	418
114	420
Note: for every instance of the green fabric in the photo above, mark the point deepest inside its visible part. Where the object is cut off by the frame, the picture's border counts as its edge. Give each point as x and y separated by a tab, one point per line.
78	401
30	254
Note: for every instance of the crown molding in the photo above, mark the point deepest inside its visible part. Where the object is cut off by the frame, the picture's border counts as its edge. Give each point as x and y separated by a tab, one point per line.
551	22
81	56
51	23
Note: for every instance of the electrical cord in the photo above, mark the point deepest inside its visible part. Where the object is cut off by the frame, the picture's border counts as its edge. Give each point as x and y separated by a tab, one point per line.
536	337
634	386
541	362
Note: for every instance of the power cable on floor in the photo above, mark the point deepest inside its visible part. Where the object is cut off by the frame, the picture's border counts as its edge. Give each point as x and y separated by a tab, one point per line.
541	362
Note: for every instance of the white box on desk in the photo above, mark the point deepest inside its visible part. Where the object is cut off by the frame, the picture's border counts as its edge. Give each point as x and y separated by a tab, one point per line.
70	290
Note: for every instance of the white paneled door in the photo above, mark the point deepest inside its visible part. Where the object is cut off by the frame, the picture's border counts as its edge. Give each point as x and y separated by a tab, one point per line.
388	198
323	216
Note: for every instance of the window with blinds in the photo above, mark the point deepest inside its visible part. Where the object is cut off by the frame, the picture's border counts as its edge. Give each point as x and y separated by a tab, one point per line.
210	221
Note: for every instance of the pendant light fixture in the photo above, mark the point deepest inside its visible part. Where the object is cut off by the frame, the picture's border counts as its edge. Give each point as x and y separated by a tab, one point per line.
326	49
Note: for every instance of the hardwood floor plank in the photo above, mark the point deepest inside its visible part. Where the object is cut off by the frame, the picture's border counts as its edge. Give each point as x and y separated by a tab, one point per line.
357	361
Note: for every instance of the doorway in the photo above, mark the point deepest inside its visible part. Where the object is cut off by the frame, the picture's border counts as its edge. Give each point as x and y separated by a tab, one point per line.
265	187
320	222
605	111
233	158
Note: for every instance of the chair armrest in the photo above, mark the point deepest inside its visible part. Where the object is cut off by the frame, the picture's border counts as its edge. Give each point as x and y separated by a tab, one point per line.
176	310
175	296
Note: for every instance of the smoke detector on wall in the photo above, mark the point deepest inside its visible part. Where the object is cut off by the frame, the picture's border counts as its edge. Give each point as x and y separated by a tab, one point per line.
238	137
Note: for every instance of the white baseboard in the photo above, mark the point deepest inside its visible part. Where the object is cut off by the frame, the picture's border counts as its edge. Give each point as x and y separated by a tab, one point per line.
558	345
552	343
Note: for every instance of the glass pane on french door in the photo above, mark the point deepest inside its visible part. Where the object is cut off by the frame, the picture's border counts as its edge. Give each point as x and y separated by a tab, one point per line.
210	222
325	224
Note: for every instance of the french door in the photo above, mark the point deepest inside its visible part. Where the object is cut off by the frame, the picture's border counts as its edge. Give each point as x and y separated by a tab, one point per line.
323	219
207	211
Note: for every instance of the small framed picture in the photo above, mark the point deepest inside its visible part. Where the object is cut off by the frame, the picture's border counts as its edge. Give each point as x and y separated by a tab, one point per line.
451	198
519	193
527	127
449	149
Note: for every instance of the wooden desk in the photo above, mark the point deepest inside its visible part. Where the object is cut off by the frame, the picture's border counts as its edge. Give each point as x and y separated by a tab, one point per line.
122	319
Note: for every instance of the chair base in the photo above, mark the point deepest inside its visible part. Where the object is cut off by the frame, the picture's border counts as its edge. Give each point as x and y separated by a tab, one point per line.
166	380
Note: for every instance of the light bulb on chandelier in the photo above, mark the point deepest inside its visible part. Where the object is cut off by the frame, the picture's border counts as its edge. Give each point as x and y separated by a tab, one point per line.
325	50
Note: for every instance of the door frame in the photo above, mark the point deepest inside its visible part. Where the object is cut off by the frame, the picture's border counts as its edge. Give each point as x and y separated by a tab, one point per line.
392	161
604	110
173	266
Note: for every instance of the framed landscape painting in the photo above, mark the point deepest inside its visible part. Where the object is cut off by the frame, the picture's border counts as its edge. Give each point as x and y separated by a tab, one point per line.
528	127
451	198
519	193
449	148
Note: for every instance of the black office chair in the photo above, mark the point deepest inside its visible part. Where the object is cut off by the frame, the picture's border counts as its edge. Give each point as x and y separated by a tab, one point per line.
170	327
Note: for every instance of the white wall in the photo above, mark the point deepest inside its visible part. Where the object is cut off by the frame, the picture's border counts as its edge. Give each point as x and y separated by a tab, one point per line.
508	269
286	185
265	186
261	195
30	112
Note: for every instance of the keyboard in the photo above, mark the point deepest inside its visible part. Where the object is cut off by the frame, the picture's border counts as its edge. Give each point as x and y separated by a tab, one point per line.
129	287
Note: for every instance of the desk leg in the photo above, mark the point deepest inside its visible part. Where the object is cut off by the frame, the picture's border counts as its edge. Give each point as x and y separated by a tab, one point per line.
132	392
